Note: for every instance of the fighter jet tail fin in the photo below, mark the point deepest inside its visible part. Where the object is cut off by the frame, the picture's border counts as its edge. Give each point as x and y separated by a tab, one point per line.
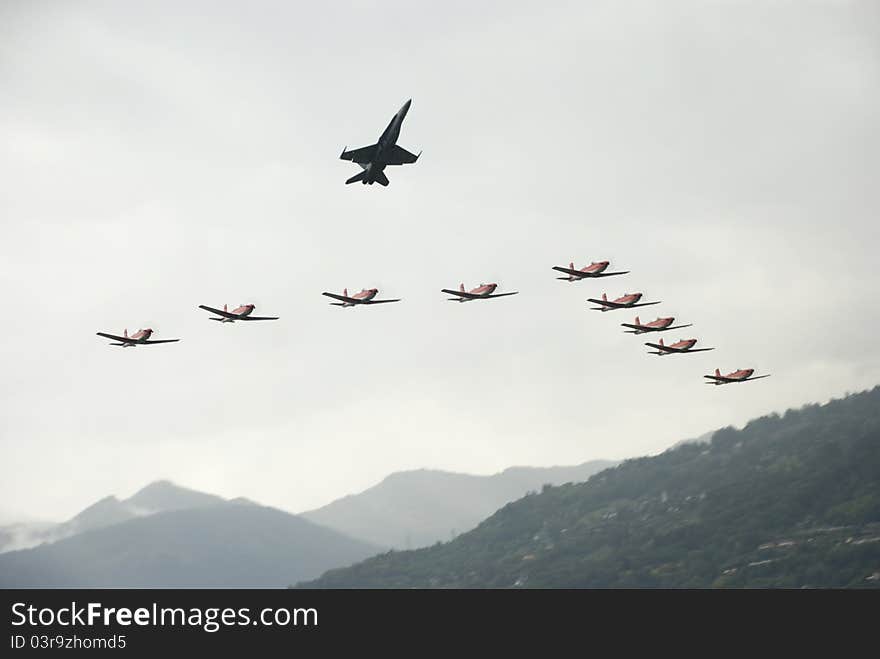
357	177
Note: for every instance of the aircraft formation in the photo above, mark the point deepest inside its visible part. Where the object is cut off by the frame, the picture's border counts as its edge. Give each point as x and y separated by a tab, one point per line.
633	300
373	160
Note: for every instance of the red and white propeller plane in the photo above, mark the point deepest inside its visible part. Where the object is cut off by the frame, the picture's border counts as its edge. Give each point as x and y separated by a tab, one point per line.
242	312
139	338
366	296
481	292
627	301
679	347
592	271
741	375
659	325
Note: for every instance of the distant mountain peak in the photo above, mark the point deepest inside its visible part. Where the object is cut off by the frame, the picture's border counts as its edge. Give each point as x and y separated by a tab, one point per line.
157	497
161	484
164	495
229	544
159	487
418	507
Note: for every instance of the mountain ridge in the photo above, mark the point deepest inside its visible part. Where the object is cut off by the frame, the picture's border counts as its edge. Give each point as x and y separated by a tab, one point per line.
229	544
787	501
419	507
157	496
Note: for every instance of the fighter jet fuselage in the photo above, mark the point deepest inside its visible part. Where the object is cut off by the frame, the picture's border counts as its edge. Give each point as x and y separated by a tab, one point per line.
372	171
392	132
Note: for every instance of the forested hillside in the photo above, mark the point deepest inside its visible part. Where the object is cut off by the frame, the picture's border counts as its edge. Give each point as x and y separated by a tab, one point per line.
788	501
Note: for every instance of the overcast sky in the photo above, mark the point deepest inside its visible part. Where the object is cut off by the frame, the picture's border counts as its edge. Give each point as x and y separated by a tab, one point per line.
160	155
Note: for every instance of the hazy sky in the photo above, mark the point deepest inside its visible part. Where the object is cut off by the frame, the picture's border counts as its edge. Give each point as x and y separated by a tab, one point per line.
160	155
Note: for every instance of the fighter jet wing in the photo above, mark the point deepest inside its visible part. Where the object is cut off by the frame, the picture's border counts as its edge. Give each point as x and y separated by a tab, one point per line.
343	298
220	312
400	156
637	328
501	294
378	301
643	304
363	155
258	318
161	341
114	337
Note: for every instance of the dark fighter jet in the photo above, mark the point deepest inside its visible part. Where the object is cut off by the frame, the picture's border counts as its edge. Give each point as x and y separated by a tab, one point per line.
375	158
